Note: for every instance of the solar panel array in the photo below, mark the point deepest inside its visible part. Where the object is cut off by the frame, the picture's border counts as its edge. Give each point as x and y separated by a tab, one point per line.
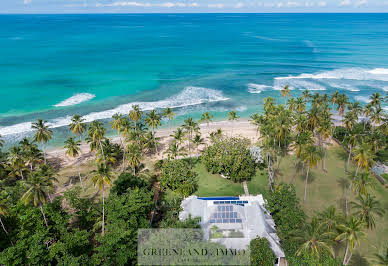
225	214
237	202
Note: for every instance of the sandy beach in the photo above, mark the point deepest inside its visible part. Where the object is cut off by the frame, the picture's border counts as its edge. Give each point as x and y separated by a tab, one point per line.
241	128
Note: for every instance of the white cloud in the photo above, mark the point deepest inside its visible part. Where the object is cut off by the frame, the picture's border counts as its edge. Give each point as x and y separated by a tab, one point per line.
239	5
215	5
322	4
26	2
288	4
361	3
308	4
345	3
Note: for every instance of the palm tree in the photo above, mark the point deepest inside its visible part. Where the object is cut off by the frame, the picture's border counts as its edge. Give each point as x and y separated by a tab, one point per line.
232	116
366	209
363	156
351	232
197	141
174	150
375	100
43	134
169	113
285	93
77	126
153	121
4	213
102	177
1	142
29	152
310	156
306	95
381	259
134	156
15	159
315	240
268	104
191	126
96	133
37	192
377	115
178	135
329	219
206	117
135	114
362	184
73	150
352	139
300	105
255	120
342	102
333	98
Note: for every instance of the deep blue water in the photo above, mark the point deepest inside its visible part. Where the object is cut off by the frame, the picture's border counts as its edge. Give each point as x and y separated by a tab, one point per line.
53	66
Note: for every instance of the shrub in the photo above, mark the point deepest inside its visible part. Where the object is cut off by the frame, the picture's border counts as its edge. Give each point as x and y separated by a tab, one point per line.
230	157
339	133
128	180
261	252
178	176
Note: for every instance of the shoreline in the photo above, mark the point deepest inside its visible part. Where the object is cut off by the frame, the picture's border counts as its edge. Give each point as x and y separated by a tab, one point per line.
241	127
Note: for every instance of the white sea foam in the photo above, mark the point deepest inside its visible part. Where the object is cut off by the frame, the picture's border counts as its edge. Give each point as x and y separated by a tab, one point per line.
379	71
385	88
298	83
364	99
76	99
187	97
256	88
345	73
347	87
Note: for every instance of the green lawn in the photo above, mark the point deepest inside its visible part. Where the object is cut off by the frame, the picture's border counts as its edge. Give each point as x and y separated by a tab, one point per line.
325	189
215	185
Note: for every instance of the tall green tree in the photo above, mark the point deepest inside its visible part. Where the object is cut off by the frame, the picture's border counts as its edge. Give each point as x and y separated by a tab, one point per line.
77	126
37	190
134	156
102	177
367	208
153	121
190	126
232	116
363	156
96	134
73	149
352	231
285	93
42	134
310	156
169	113
206	117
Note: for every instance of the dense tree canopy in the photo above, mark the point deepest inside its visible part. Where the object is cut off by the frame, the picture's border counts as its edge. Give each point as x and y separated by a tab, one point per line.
230	157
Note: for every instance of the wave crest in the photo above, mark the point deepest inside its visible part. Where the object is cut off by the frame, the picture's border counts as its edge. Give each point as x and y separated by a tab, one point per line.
76	99
187	97
256	88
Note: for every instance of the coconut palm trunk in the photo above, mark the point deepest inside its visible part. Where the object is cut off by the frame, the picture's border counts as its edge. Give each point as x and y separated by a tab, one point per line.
80	180
102	152
346	254
2	225
44	216
305	184
347	200
103	209
350	155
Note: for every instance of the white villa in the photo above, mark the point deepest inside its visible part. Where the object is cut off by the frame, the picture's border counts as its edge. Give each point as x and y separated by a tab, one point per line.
233	221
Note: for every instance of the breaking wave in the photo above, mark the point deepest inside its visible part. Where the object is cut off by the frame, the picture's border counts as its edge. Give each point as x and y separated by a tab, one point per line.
76	99
187	97
345	73
256	88
364	99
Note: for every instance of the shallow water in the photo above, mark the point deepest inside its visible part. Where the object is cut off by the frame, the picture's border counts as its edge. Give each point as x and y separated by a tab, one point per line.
54	66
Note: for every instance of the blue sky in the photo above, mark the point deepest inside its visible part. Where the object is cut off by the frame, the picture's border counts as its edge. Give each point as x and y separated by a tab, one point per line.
190	6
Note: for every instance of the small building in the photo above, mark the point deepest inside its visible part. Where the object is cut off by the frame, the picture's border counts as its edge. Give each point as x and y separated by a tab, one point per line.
233	221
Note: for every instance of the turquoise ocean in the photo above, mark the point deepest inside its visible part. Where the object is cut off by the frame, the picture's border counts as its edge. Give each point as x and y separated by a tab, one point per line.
54	66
